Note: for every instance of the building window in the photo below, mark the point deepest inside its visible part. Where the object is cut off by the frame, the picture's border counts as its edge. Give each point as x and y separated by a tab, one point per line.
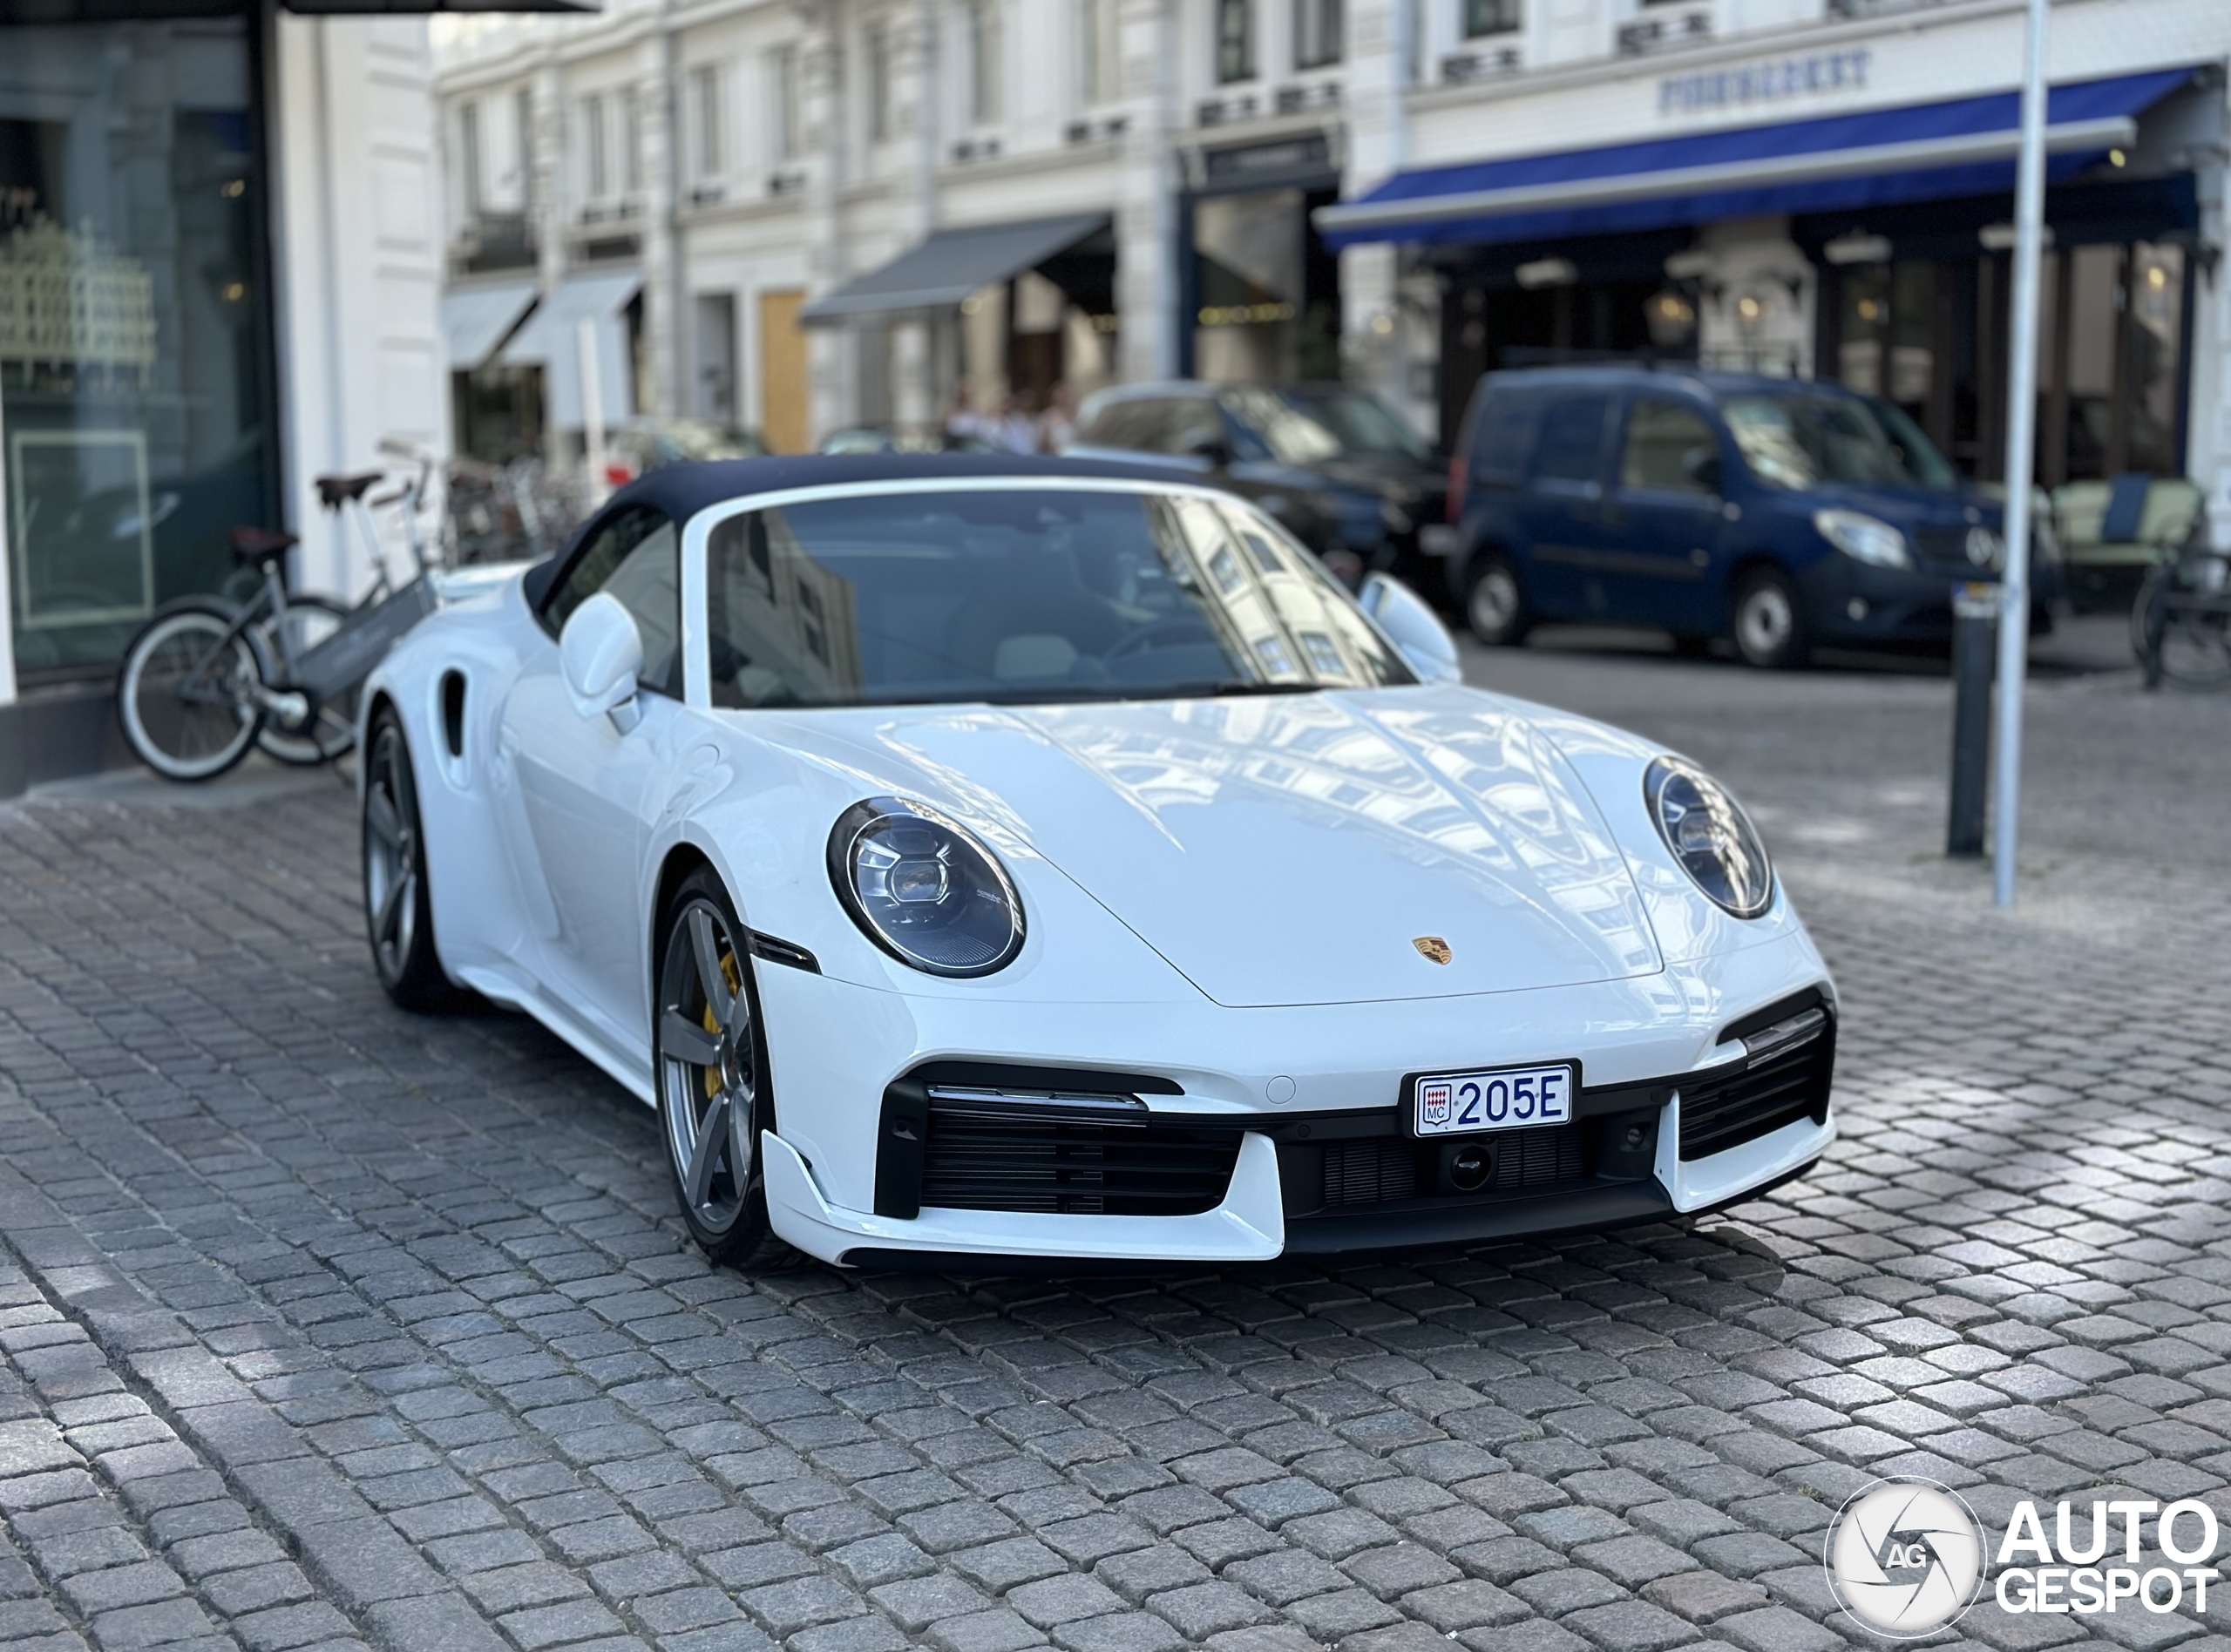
631	140
598	179
1235	41
986	63
1316	33
523	119
468	158
711	117
880	85
1491	17
784	105
1101	62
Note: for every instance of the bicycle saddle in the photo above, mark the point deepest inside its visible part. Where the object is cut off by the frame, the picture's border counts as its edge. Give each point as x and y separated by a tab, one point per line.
334	492
261	544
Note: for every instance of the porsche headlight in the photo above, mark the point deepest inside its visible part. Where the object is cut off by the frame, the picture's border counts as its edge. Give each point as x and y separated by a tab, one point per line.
1864	537
1710	836
923	889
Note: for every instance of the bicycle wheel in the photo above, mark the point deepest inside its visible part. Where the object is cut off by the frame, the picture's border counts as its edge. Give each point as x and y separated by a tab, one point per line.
310	621
2196	642
188	694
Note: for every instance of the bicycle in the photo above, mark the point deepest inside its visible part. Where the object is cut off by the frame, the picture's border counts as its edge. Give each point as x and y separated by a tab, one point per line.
205	680
2180	625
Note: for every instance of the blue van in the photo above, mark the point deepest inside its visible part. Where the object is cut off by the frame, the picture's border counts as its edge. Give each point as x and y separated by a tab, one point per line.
1781	513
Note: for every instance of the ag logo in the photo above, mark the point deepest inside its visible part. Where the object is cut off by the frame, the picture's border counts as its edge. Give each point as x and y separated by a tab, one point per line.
1433	947
1982	547
1905	1557
1436	1102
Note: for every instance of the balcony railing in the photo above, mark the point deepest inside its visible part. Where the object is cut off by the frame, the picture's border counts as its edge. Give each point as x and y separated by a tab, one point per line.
1663	31
494	241
1464	68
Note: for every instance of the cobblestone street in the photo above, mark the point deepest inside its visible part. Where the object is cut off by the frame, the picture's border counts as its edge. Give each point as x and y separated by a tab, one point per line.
324	1325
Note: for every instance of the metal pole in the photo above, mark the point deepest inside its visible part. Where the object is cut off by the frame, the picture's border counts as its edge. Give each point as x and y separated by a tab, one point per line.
2021	421
1975	616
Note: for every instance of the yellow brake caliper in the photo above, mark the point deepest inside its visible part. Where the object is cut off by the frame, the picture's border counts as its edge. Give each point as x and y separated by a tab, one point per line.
735	978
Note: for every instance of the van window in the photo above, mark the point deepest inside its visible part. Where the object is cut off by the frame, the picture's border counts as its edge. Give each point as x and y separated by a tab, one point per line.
1572	445
1500	437
1664	442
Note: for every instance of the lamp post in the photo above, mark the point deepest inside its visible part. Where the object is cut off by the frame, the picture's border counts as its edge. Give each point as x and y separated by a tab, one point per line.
2021	421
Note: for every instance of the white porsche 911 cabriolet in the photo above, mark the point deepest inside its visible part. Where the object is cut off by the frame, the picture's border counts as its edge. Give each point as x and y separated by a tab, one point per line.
990	859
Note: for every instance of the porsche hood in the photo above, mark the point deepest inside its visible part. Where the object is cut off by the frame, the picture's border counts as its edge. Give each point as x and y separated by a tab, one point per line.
1316	849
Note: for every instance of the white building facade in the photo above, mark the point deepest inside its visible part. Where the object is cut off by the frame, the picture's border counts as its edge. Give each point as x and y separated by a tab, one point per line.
221	268
799	217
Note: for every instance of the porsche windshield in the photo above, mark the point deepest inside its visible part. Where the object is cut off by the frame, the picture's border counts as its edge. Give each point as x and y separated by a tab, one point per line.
1021	595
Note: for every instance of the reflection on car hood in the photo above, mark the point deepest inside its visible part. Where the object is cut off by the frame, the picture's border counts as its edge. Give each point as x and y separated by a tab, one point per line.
1910	507
1293	850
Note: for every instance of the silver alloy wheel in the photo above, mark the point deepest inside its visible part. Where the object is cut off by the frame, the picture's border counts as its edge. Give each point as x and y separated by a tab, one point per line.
1764	621
709	1067
1495	601
391	853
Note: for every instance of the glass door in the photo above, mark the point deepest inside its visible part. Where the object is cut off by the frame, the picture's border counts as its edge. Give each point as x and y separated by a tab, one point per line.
135	403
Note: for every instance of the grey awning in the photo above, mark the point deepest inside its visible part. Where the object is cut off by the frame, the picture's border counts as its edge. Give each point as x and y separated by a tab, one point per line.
475	320
952	263
553	340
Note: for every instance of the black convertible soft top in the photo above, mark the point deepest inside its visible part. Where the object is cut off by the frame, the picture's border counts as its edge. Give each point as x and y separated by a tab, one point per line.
682	491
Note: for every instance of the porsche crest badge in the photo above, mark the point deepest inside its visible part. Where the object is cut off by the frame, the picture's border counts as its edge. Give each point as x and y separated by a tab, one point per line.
1433	947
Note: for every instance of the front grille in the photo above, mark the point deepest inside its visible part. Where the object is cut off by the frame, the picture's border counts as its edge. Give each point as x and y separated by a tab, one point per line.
1386	1169
1044	1157
1947	547
1785	1077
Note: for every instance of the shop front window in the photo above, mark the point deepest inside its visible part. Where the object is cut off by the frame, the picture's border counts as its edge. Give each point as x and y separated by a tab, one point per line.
135	388
1931	337
1268	306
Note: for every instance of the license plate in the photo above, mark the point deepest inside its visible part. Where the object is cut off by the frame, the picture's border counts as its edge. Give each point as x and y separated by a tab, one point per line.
1436	538
1499	1099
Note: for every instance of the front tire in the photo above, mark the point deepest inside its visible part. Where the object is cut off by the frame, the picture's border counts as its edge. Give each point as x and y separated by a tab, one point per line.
189	693
398	911
1494	603
711	1069
1769	626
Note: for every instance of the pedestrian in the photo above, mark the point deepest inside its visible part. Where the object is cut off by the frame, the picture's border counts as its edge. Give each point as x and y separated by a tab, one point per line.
962	420
1057	425
1013	431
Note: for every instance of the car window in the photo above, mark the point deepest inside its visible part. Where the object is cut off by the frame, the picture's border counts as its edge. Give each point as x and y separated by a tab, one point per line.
1502	438
1666	443
1191	422
1798	440
1569	448
635	556
1018	596
1121	424
1335	644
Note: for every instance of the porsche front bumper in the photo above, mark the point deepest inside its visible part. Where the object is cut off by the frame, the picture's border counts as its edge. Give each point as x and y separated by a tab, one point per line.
1642	1044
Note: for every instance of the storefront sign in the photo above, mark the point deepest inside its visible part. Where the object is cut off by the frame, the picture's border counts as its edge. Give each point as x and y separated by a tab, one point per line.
1776	80
1269	162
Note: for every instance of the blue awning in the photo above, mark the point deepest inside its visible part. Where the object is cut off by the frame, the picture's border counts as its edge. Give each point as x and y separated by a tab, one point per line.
1919	152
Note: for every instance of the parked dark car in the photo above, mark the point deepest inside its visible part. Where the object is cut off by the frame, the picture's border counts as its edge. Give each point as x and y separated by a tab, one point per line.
1338	469
1782	513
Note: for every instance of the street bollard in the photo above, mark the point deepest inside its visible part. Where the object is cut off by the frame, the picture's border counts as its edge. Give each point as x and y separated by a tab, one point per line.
1975	636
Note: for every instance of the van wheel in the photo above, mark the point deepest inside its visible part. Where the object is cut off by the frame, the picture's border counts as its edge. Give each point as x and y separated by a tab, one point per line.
1495	606
1769	629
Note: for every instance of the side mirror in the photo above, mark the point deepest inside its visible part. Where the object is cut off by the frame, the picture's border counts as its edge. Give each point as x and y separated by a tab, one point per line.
1210	451
1701	464
1413	628
600	655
